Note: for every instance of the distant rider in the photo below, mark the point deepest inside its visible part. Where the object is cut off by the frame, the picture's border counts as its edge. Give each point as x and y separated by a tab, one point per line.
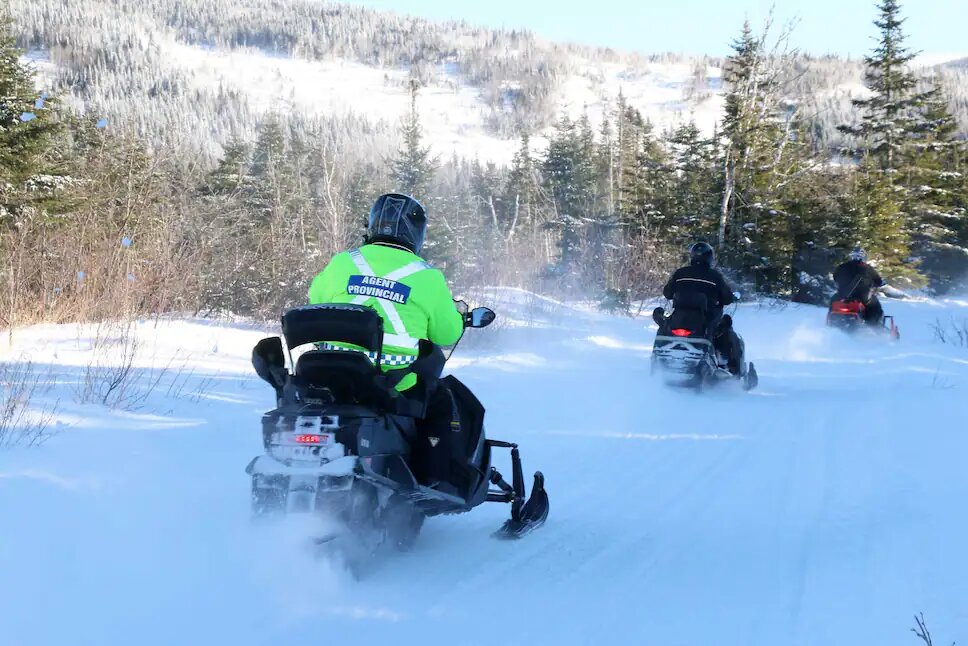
413	299
858	281
700	277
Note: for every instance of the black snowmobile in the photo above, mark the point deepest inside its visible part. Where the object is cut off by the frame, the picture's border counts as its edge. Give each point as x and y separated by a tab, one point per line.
340	441
684	352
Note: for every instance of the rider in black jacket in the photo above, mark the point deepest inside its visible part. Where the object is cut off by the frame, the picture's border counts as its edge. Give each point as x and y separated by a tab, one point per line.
700	277
858	281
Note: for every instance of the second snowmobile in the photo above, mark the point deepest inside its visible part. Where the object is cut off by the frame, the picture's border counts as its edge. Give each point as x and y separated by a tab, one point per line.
849	315
339	442
684	352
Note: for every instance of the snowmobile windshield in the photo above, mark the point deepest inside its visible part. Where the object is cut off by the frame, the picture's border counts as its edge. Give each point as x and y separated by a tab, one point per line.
398	218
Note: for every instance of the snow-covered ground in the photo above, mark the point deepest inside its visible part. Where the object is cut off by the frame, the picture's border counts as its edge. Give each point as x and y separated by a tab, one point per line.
827	507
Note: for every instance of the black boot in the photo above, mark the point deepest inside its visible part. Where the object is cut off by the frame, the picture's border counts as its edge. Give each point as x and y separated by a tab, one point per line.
735	354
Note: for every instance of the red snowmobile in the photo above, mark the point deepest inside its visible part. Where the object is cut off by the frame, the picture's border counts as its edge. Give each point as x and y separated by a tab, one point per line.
849	315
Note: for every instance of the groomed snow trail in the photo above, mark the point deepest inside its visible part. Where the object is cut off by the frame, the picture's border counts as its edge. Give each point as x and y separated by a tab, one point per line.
826	508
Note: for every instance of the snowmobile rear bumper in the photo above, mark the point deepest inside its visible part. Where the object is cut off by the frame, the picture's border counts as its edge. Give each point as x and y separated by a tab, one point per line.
278	487
269	466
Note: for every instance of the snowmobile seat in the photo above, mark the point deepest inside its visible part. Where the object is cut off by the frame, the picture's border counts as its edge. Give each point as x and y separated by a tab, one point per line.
350	377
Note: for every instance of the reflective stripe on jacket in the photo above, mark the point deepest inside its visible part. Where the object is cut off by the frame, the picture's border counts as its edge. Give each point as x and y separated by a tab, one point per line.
411	296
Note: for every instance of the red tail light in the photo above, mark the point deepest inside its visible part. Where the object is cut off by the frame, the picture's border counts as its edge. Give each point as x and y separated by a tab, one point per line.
681	332
309	439
847	307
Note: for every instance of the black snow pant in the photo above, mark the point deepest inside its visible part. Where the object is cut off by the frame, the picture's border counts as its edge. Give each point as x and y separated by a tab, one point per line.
873	312
727	342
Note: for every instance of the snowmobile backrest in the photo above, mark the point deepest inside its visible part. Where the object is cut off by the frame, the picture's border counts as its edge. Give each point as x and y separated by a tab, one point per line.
690	301
690	312
338	323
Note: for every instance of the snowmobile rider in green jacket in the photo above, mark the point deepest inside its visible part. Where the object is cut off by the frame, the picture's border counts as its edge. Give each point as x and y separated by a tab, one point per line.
413	299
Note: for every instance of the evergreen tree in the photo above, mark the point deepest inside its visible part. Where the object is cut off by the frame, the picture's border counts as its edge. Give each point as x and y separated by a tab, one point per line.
937	198
232	172
414	166
491	224
892	120
34	171
631	185
754	139
892	114
521	192
697	189
878	225
605	164
569	178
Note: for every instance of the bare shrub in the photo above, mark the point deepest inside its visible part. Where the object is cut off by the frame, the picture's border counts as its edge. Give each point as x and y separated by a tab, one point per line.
185	384
954	333
921	630
114	379
20	423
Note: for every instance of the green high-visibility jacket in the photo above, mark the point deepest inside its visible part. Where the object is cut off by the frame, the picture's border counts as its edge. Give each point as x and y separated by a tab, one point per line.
411	296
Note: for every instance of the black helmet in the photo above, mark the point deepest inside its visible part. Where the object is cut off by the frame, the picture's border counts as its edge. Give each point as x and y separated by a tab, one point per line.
398	219
701	253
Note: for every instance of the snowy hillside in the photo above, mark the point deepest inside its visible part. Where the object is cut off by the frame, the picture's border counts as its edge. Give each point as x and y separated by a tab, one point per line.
454	113
203	72
825	508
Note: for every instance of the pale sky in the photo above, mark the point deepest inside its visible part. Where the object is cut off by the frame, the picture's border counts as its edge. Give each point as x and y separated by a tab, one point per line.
702	26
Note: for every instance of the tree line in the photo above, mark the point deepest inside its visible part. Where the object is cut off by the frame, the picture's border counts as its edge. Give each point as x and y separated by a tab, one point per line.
95	220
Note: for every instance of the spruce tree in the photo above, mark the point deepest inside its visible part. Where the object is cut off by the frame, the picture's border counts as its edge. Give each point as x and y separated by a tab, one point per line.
892	114
232	172
414	166
753	135
892	120
521	192
568	174
937	199
34	162
630	181
696	197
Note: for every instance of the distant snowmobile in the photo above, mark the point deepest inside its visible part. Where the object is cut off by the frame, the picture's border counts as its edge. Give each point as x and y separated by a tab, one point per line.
339	441
851	316
684	352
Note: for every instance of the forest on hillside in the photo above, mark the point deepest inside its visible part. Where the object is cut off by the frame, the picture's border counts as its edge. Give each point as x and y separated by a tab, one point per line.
137	212
117	59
